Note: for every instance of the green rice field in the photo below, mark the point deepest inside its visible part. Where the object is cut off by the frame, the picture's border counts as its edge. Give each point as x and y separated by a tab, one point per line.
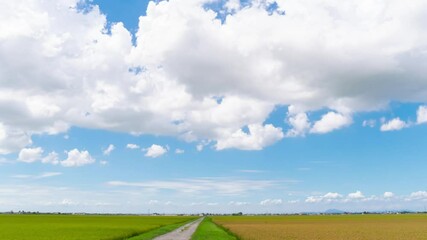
82	227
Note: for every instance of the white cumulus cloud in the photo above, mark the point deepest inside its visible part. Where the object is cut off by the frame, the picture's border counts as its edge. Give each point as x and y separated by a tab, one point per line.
256	139
268	202
30	155
300	125
75	72
328	197
422	114
132	146
420	195
331	121
77	158
51	158
356	195
155	151
393	125
388	195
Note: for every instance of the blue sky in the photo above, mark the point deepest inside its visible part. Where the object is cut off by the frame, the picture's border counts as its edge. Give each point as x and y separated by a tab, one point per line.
276	121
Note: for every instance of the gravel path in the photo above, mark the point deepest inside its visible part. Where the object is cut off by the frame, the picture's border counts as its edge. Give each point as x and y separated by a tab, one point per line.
182	233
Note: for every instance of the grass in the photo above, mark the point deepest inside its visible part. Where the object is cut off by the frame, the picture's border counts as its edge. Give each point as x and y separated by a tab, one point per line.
337	227
84	227
158	231
208	230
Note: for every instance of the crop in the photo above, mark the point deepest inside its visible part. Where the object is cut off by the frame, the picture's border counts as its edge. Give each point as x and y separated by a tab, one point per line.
208	230
340	227
84	227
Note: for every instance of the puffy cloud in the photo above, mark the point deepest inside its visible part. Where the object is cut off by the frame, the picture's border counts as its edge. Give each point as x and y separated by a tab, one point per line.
330	122
268	202
300	125
420	195
328	197
356	195
388	195
77	158
393	125
132	146
12	140
109	149
155	151
30	155
195	77
256	139
51	158
422	114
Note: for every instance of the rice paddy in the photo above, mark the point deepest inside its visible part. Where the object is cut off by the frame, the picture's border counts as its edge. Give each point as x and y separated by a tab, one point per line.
84	227
330	227
318	227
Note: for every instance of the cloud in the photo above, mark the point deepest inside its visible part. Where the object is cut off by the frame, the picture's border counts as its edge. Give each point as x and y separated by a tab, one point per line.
356	195
250	171
234	203
179	151
155	151
29	155
108	150
420	195
388	195
49	174
77	158
12	139
199	147
393	125
300	125
369	123
51	158
201	185
330	122
269	202
256	139
422	115
132	146
328	197
39	176
78	73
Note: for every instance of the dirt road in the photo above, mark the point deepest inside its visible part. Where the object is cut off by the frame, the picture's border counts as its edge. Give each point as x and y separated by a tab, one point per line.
182	233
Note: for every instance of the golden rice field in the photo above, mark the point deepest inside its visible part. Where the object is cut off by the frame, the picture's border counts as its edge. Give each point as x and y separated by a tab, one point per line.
336	227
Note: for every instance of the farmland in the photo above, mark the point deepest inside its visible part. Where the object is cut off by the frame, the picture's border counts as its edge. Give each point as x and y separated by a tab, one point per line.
207	230
87	227
337	227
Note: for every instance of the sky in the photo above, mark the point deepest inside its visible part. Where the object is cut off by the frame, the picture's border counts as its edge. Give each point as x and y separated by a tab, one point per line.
179	106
